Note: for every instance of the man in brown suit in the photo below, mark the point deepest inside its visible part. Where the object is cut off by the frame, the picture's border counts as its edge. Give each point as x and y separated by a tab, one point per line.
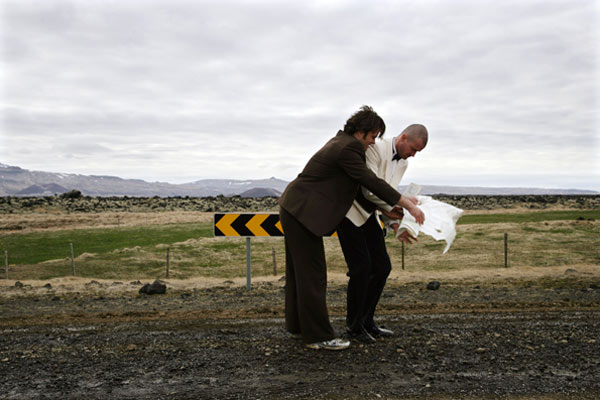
312	206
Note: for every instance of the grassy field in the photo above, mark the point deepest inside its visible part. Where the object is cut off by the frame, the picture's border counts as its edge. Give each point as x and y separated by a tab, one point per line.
541	238
537	216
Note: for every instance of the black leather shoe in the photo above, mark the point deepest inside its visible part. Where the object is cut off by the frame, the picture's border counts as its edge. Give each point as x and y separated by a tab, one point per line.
376	331
360	335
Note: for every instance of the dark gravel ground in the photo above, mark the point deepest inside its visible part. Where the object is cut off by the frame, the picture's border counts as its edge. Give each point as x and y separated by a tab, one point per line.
514	340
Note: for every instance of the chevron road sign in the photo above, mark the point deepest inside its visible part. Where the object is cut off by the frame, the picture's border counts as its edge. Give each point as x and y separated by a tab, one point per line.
247	225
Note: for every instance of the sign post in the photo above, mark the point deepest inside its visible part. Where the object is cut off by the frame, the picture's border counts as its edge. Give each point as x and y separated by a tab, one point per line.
248	264
248	225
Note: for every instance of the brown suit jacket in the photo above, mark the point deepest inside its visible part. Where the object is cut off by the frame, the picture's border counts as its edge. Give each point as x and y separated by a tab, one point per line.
322	194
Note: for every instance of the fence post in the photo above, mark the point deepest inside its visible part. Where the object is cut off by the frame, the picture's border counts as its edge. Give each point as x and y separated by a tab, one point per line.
403	256
6	262
248	264
168	253
505	250
274	262
72	259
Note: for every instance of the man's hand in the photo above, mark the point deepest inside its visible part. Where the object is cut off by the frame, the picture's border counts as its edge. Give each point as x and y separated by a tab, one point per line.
404	236
394	213
417	213
407	237
413	200
410	204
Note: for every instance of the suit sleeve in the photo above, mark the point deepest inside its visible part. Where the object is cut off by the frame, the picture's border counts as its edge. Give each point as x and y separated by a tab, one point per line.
352	160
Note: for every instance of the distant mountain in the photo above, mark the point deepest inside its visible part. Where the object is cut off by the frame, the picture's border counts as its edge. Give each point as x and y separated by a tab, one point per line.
497	191
43	188
15	181
229	187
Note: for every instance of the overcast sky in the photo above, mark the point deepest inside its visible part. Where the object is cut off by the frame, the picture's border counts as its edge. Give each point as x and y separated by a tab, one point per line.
178	91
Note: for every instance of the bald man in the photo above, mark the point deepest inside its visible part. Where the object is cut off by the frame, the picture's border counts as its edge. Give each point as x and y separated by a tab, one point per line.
311	206
362	239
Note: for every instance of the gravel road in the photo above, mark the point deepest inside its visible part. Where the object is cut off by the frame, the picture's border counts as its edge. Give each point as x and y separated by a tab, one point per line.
498	340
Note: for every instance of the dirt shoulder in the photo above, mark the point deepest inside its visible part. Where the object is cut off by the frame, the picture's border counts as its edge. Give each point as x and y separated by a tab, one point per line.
511	275
526	334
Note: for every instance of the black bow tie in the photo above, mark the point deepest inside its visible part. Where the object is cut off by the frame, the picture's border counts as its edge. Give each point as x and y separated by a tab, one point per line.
396	157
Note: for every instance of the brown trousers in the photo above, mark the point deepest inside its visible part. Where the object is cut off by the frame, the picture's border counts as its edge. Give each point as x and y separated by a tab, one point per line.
305	282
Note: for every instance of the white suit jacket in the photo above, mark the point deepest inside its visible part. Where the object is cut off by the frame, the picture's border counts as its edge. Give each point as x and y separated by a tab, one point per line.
379	160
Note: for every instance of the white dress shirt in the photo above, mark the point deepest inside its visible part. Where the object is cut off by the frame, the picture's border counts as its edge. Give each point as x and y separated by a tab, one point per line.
379	160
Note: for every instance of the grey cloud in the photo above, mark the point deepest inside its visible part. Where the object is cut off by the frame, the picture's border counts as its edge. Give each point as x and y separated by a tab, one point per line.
82	149
269	79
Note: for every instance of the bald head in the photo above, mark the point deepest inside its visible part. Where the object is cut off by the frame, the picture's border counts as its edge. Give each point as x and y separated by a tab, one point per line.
412	140
415	132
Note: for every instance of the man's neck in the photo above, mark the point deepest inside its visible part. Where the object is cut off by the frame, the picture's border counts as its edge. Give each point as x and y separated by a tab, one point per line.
395	141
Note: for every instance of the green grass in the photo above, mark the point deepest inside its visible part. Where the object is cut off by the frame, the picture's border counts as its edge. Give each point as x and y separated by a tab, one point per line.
537	216
536	244
36	247
540	238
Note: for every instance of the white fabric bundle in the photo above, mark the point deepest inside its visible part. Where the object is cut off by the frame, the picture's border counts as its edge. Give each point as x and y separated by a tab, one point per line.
440	221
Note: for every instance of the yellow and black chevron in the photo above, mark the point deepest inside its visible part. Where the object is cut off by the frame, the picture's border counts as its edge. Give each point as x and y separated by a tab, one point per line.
231	224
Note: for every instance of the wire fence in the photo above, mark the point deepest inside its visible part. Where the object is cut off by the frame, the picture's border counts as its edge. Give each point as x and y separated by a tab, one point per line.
477	246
